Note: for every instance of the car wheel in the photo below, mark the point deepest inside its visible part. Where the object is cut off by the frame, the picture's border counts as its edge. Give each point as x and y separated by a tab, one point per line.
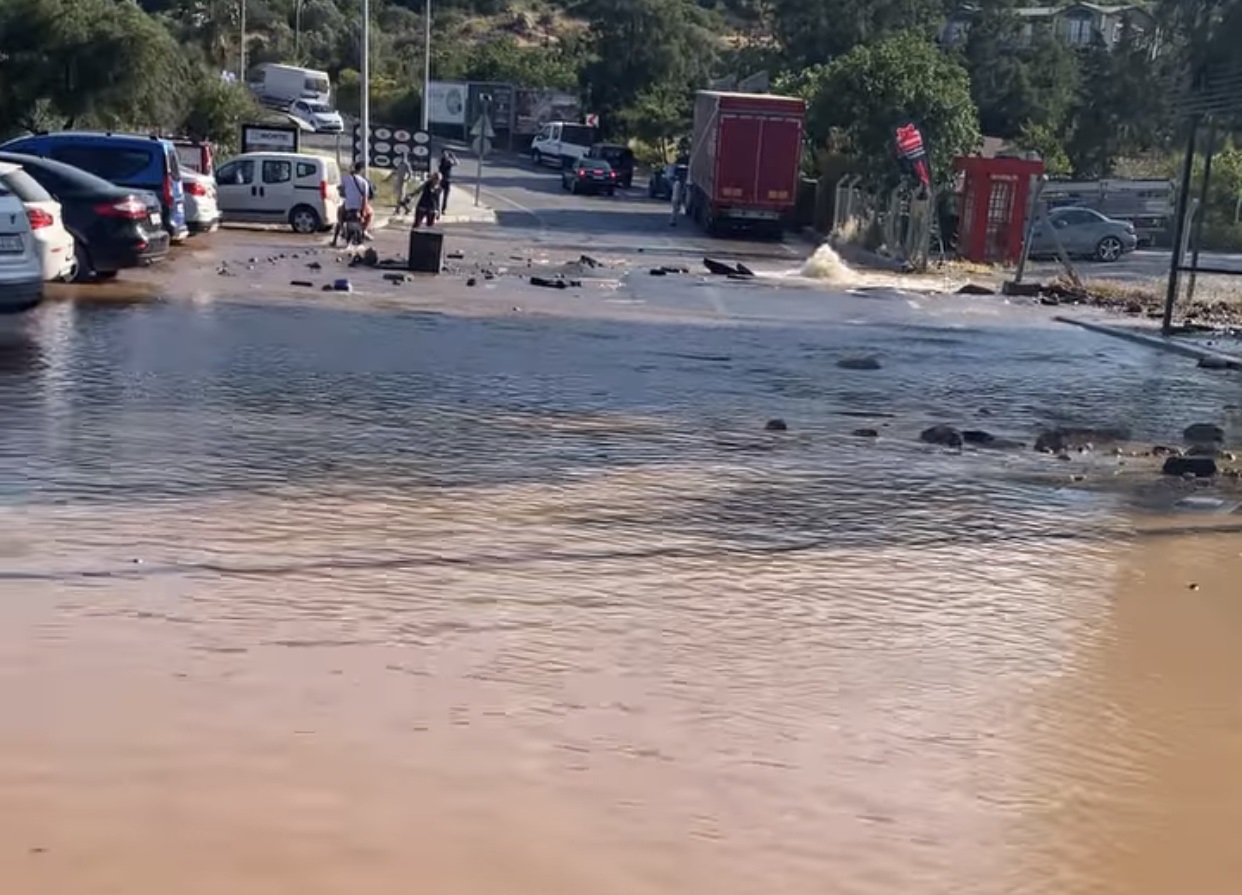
106	274
1109	249
304	219
82	272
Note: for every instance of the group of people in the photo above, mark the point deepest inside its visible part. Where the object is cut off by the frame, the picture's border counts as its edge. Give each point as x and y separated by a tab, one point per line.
358	193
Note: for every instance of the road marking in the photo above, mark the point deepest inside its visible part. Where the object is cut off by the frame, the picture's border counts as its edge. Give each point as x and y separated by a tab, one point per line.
543	225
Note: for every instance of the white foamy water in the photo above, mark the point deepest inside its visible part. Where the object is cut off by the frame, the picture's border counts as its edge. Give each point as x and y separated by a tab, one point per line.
825	264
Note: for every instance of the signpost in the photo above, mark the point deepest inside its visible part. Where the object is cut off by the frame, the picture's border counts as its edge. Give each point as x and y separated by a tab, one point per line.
270	138
591	120
389	143
482	133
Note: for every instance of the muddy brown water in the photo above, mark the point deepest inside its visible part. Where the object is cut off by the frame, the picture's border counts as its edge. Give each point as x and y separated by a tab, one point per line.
298	600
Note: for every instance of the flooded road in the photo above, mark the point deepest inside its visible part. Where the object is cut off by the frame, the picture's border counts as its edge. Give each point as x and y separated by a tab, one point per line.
299	599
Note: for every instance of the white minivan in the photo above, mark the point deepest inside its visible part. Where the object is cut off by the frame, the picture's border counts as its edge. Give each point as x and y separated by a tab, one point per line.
279	188
561	144
21	272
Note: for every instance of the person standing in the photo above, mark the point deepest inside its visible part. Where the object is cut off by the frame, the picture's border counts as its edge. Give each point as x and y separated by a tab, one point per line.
403	173
428	201
448	162
356	190
678	197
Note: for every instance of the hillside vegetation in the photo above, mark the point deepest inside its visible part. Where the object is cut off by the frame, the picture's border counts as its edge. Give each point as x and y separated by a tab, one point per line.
863	65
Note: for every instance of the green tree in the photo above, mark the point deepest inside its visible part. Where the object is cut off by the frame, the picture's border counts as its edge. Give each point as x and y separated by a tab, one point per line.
639	45
88	62
218	110
866	94
817	31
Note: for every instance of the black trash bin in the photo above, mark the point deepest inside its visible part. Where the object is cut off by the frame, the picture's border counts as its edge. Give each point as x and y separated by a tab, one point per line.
426	254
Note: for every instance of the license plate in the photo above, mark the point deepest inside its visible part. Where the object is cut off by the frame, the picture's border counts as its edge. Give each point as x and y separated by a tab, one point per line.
11	244
156	219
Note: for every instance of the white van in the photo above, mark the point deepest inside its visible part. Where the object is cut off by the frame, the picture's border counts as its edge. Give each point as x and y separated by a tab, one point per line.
561	144
279	188
283	85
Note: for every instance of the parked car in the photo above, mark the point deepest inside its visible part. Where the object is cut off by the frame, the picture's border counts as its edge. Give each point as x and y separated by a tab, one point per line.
202	212
113	227
139	163
53	242
561	143
660	186
195	155
320	117
280	187
620	157
1084	233
590	175
21	274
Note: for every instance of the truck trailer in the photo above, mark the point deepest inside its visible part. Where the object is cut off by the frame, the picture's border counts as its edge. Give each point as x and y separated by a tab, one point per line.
745	160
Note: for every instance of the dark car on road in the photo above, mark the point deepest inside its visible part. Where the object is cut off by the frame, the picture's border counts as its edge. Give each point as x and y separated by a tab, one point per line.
660	186
590	175
113	227
619	157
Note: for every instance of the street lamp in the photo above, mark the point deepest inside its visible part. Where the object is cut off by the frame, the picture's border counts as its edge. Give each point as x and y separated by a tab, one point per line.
241	69
365	155
426	66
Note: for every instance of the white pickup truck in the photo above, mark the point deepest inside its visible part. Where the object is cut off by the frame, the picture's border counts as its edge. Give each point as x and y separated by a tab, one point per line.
560	143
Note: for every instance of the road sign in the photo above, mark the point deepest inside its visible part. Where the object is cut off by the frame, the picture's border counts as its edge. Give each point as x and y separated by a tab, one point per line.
481	145
592	120
482	128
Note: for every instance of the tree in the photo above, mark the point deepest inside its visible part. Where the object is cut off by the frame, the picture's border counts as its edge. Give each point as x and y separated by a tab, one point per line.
218	110
78	62
866	94
638	45
817	31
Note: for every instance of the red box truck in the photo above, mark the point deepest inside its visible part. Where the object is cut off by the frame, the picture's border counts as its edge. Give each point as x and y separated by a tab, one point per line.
745	160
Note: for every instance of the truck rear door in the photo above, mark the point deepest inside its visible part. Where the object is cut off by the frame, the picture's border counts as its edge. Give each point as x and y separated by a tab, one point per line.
757	162
776	182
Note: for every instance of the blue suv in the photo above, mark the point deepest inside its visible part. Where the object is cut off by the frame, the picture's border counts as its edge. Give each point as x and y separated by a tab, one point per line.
140	163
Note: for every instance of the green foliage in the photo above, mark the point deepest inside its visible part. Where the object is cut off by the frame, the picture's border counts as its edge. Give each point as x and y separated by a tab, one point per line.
659	114
818	31
87	62
637	45
870	91
217	110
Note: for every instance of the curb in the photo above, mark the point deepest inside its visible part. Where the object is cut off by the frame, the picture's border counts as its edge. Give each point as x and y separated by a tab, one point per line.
1161	343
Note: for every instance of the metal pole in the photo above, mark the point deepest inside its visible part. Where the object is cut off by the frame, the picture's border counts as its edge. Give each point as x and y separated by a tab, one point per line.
426	104
1210	153
297	33
486	121
1179	225
1037	189
365	135
241	61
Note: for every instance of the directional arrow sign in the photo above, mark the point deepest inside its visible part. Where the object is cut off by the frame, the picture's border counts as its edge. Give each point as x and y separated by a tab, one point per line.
481	146
482	128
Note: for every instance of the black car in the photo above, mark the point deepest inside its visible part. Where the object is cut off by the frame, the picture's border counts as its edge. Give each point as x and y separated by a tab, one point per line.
112	227
620	157
590	175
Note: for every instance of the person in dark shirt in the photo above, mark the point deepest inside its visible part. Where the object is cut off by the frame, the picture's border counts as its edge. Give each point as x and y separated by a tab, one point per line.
448	162
428	201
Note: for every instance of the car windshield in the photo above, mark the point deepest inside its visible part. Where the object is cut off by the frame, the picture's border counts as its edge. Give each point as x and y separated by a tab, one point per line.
319	108
597	165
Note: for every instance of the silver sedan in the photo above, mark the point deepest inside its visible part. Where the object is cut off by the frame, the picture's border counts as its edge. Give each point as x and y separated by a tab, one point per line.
1083	233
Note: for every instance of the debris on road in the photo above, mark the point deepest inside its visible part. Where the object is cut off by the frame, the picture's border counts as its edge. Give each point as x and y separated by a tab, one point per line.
305	283
859	363
775	425
342	286
556	283
943	435
724	269
1204	433
973	289
865	433
1196	467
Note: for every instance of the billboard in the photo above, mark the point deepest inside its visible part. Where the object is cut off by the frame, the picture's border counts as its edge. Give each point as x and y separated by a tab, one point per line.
446	102
270	138
501	107
389	143
534	108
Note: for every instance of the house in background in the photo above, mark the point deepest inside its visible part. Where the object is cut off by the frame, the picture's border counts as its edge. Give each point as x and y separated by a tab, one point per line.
1076	23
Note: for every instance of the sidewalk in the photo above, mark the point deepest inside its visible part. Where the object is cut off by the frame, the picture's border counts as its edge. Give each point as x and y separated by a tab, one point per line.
461	210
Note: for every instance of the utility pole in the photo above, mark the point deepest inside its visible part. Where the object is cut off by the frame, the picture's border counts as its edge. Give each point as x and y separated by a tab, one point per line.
427	67
297	33
365	155
241	62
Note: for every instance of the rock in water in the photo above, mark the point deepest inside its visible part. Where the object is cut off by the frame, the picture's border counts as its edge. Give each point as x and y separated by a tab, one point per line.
972	289
865	433
946	436
978	436
1198	467
775	425
1063	438
859	363
1204	433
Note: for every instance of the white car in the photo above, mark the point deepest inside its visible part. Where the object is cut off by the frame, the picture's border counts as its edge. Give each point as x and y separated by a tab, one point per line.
21	274
52	242
321	118
202	213
291	188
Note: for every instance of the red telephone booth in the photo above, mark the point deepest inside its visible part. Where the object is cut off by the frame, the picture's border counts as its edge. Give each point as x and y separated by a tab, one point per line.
996	197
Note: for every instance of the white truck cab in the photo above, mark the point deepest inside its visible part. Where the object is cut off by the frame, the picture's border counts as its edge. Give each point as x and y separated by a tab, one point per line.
561	143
